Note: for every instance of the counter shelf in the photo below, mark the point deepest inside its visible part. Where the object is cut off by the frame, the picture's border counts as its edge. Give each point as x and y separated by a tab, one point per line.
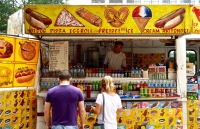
139	99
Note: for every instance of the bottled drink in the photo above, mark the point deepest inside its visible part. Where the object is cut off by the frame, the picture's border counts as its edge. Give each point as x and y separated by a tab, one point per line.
103	73
84	85
93	72
122	73
99	73
82	72
71	71
96	86
118	73
113	73
140	73
134	86
130	87
120	90
75	72
96	72
78	71
93	86
132	73
123	86
126	86
87	72
138	86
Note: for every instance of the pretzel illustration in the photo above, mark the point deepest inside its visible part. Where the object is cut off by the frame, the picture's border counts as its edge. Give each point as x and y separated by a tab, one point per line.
116	18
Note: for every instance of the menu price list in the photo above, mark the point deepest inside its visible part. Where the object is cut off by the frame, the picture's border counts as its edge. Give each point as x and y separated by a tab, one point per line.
58	53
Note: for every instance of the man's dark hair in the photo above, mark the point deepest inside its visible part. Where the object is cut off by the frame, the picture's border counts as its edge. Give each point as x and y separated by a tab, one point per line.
64	75
119	42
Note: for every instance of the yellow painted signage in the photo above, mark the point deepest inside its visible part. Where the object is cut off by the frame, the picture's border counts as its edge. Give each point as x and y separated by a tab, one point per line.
65	19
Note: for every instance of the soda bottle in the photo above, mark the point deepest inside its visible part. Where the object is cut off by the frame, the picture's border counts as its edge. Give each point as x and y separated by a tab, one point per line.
118	73
122	73
90	72
126	86
87	72
72	71
75	72
97	85
82	72
96	72
102	73
130	87
123	86
93	85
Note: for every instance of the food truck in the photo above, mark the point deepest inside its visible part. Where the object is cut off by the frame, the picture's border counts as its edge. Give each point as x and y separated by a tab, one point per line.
77	38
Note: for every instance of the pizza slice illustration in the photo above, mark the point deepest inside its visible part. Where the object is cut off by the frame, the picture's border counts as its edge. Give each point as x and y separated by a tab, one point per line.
65	18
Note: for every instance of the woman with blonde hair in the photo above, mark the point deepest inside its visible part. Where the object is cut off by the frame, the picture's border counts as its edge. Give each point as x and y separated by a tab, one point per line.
112	105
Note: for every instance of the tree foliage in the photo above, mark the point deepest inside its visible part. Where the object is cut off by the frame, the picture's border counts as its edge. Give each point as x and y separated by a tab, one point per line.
192	57
8	7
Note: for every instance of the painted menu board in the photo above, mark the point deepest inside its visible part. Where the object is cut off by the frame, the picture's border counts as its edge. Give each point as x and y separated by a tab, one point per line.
7	48
18	61
24	75
6	75
18	109
27	50
58	55
195	16
110	19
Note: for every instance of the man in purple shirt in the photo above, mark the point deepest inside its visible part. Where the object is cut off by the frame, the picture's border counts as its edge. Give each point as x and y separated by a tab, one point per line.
64	99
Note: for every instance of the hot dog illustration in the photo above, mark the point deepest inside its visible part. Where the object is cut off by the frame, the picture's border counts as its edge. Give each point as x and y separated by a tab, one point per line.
36	19
90	17
24	74
171	20
116	18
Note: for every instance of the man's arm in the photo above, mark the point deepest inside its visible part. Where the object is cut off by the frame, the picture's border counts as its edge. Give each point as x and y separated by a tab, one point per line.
81	113
47	108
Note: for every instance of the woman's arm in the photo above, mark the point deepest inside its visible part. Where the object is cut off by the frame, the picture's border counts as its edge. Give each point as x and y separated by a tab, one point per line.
96	110
119	109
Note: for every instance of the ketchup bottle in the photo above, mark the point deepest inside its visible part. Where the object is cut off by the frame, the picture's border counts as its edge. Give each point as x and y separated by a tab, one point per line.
197	12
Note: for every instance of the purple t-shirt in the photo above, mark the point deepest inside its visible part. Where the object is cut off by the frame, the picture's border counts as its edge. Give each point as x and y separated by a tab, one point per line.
64	101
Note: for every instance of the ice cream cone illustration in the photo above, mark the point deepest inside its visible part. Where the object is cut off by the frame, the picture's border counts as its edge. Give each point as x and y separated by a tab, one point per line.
141	16
191	118
177	111
170	120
